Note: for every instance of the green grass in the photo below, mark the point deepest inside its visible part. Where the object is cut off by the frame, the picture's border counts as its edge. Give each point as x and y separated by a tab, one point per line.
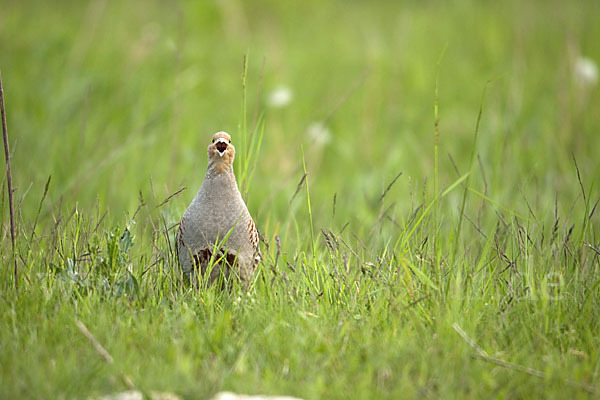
368	278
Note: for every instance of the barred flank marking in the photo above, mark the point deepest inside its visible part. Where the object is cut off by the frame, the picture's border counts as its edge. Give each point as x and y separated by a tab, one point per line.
180	233
253	233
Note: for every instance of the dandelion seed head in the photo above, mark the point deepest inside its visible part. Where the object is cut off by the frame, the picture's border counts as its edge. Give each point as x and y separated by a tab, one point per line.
319	133
280	97
586	71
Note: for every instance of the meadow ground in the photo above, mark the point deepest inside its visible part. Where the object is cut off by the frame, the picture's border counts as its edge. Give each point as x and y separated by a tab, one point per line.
425	255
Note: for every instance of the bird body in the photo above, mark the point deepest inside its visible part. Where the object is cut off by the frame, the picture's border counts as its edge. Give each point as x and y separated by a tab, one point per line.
217	223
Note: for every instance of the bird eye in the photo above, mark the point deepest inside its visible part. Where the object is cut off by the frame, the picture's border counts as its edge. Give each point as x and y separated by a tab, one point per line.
213	140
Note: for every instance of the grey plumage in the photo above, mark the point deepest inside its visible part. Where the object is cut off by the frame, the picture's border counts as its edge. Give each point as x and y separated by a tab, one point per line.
218	210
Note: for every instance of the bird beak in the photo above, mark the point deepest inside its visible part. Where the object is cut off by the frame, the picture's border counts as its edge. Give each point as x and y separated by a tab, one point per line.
221	145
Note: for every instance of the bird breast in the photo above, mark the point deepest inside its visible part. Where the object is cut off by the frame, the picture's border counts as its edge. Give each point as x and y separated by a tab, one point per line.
217	208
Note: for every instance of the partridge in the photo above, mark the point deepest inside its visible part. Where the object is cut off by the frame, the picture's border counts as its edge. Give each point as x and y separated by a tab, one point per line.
217	225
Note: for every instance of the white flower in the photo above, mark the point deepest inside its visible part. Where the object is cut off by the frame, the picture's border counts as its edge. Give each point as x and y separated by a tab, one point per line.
280	97
586	71
319	133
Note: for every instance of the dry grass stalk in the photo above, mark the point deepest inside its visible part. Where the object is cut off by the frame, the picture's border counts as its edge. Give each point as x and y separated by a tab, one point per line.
9	181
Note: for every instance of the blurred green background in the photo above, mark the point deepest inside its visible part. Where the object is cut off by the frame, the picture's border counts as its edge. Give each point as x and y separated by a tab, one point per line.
107	96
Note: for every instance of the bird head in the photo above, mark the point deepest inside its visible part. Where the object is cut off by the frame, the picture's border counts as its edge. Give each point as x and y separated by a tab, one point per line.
221	152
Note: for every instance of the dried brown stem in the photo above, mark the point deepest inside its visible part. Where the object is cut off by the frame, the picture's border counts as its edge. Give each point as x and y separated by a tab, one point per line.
483	355
99	348
165	201
9	181
102	351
